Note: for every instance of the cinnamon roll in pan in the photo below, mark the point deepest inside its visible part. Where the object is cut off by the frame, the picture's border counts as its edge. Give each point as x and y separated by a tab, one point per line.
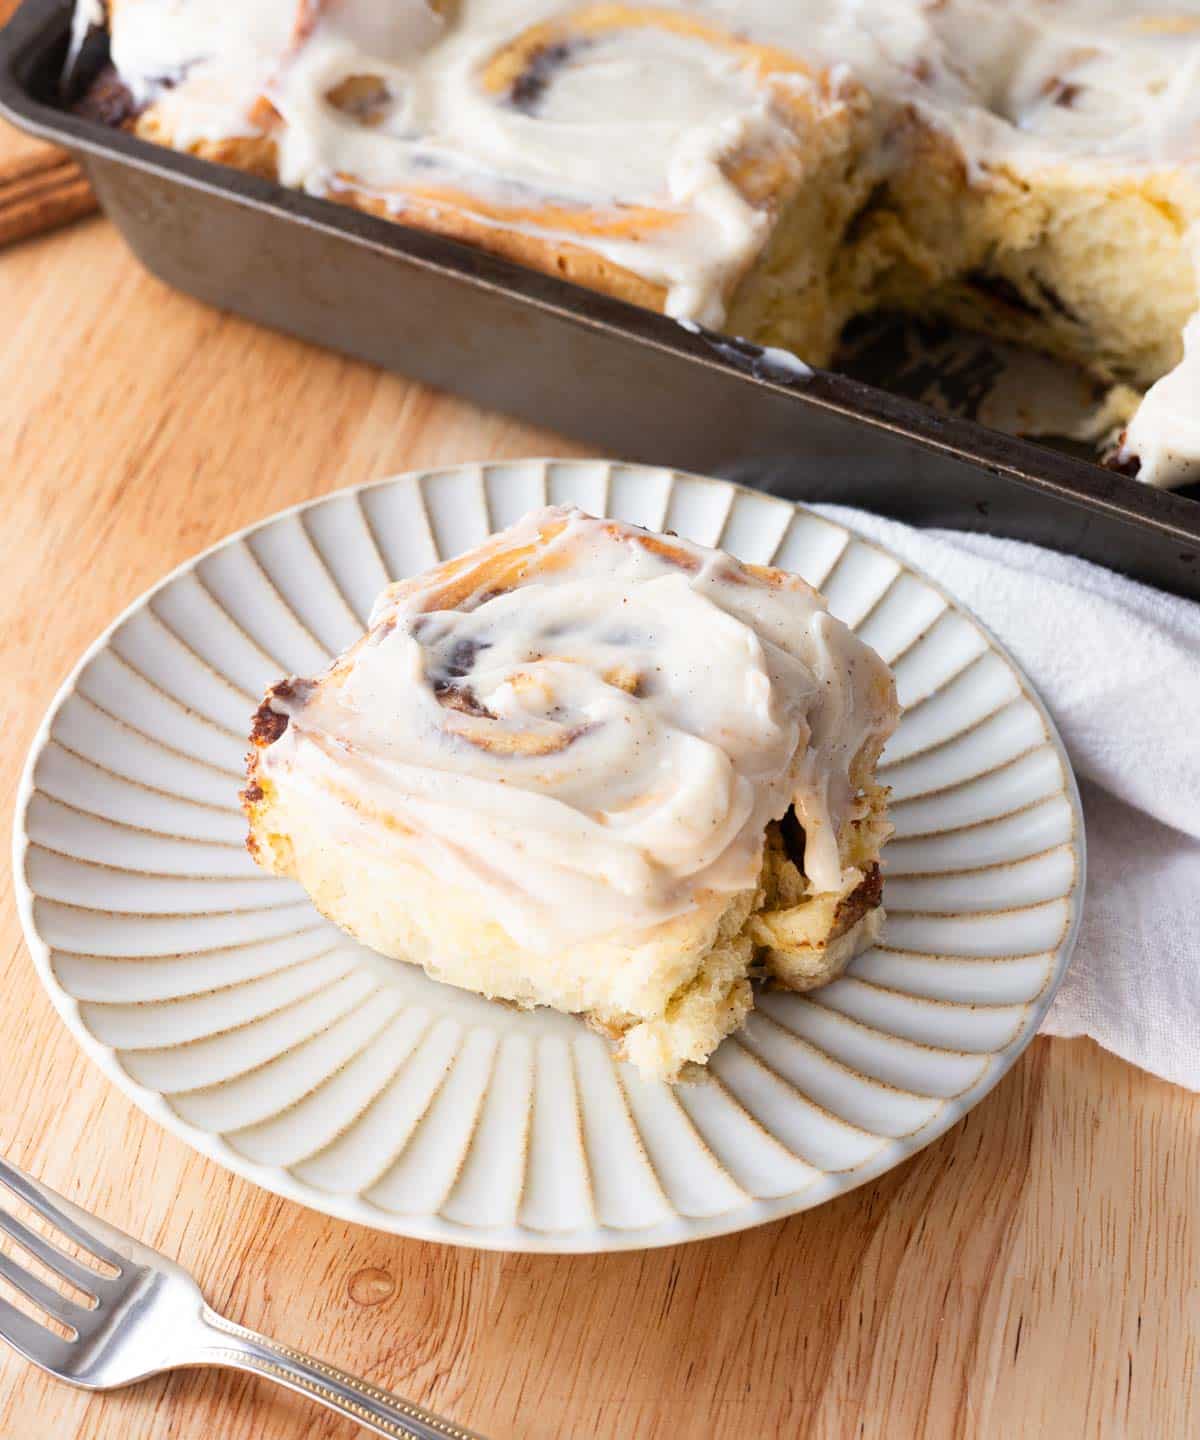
191	76
590	767
1028	169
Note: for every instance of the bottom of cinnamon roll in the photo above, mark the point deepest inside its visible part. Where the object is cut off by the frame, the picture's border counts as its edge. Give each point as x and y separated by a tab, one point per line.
589	767
666	1001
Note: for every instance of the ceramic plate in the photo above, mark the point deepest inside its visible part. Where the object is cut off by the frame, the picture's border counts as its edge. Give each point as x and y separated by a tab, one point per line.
232	1013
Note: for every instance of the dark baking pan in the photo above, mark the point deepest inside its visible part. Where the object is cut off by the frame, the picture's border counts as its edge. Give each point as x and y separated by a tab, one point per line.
628	381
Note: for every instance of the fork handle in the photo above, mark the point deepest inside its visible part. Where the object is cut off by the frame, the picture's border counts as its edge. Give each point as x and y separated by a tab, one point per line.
378	1411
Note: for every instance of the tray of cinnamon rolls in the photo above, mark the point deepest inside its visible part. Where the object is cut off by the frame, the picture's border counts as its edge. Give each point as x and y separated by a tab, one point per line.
663	227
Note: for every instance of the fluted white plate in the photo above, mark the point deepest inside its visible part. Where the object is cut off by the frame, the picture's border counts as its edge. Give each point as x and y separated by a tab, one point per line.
235	1015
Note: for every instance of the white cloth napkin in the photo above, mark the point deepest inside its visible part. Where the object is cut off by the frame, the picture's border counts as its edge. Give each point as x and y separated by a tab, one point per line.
1118	666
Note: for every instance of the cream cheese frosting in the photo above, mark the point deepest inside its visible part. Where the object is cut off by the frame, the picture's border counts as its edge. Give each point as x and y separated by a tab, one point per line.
1164	435
206	62
598	745
648	115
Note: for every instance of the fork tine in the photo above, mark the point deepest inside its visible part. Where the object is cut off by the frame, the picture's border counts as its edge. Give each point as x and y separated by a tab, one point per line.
34	1341
86	1230
53	1302
50	1255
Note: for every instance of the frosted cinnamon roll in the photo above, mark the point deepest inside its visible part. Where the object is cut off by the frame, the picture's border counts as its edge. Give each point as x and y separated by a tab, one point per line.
640	149
644	150
593	768
190	74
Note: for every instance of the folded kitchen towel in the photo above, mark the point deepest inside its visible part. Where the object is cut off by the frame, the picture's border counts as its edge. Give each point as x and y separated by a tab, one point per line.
1118	666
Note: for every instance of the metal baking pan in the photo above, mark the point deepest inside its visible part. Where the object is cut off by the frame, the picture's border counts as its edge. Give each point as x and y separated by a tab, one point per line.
631	382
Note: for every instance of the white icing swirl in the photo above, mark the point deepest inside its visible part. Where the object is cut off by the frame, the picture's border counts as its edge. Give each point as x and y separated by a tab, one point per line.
598	747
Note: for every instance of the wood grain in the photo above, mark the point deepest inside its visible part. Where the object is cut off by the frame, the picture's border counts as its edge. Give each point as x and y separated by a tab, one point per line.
1034	1272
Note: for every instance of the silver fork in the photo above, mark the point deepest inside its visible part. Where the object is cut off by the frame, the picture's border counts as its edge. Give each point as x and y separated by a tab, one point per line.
150	1316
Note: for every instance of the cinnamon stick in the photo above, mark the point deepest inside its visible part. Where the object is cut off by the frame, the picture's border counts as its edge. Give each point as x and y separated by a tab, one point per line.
39	191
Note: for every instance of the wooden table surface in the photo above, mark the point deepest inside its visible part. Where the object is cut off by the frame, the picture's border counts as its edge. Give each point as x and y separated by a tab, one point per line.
1035	1272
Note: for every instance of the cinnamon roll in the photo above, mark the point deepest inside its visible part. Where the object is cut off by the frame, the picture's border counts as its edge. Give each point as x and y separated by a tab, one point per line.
191	75
1029	169
593	768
